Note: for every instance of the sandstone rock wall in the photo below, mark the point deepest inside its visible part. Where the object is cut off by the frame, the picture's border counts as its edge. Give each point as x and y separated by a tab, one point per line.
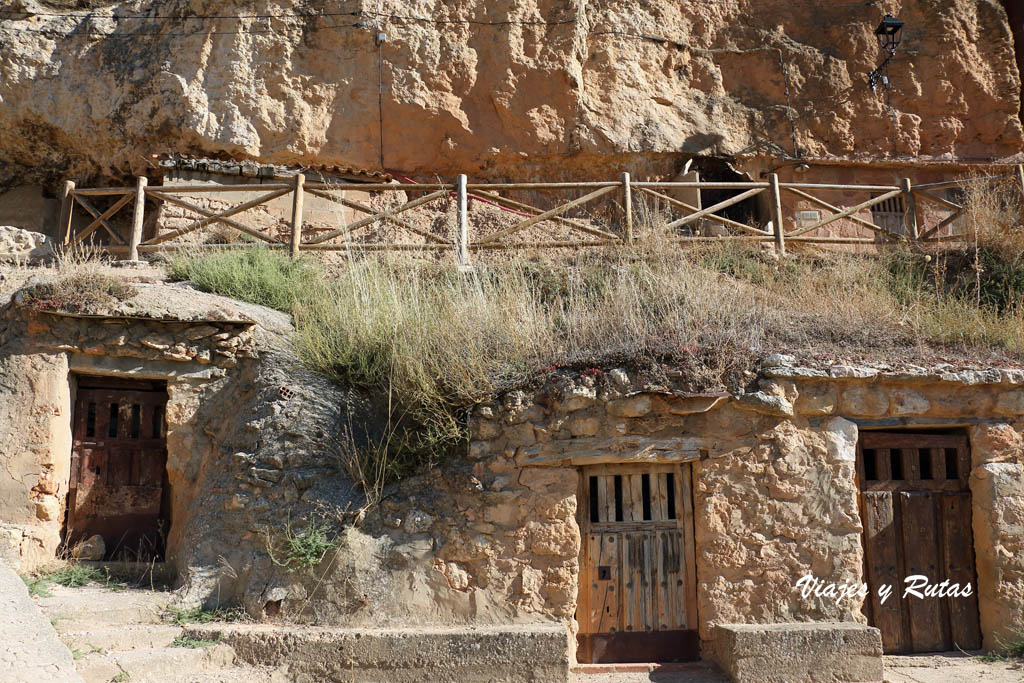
533	89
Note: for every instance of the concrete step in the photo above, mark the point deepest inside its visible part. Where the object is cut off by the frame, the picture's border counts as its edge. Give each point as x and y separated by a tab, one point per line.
158	664
121	638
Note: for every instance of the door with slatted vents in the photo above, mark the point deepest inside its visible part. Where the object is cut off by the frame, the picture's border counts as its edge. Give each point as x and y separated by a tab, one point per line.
916	507
118	467
638	585
890	215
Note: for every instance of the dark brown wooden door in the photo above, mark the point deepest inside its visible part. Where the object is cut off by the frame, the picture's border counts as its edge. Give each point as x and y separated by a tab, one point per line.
637	598
118	470
916	507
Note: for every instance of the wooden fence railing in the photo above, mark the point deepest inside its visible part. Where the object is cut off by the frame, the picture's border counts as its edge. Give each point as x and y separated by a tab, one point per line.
575	231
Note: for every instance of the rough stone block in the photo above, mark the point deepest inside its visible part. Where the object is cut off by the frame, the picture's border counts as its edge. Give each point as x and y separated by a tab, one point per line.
538	652
798	652
816	400
1010	403
632	406
867	401
766	404
906	402
584	426
997	489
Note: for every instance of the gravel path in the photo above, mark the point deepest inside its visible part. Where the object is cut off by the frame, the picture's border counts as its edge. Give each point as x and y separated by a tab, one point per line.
29	647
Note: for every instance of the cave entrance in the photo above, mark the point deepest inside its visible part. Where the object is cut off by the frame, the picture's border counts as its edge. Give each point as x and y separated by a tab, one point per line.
715	170
118	486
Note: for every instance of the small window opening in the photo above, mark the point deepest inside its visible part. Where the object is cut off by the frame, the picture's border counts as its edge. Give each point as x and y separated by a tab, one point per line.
158	422
90	420
136	426
112	430
870	465
618	497
951	464
645	487
896	462
670	487
926	463
594	515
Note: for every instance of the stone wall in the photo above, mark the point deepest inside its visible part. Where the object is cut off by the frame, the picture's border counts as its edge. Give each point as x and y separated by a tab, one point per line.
248	429
774	479
997	489
256	446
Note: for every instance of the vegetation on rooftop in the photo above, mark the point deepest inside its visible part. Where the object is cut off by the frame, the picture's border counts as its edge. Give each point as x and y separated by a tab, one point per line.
436	340
86	290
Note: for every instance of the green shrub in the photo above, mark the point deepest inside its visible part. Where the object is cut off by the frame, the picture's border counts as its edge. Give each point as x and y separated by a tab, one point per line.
74	575
197	615
258	275
304	549
38	586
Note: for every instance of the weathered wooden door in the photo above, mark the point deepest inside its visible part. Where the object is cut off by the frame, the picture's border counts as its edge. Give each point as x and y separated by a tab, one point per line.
118	467
638	585
916	508
890	215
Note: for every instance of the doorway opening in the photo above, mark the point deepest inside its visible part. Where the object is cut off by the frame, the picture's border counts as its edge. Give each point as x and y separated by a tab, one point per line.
638	588
118	487
916	507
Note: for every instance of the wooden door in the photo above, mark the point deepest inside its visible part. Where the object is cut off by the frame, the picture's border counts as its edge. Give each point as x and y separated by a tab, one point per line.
118	468
637	580
916	507
890	215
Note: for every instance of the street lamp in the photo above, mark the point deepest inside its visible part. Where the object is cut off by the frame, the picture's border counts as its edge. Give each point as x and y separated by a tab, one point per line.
889	33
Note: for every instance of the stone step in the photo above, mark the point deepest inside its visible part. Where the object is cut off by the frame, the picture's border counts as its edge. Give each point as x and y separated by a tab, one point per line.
121	638
137	574
158	664
89	607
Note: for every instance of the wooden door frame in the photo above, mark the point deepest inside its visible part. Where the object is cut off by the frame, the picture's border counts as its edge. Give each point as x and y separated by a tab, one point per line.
684	521
943	490
80	382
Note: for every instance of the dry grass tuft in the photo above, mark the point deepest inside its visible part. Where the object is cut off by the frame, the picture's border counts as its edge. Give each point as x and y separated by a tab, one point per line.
83	291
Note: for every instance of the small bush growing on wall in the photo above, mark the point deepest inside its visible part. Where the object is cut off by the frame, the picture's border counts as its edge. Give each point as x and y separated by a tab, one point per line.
82	292
304	549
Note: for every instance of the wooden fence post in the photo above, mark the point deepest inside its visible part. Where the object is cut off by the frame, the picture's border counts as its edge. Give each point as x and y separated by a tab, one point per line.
462	218
67	201
1020	181
137	218
300	181
775	201
909	210
627	207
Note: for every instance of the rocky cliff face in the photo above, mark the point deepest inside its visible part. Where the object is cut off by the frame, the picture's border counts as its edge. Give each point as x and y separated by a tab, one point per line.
497	89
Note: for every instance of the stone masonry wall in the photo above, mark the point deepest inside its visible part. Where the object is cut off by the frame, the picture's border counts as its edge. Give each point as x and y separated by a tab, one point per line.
774	481
249	431
255	452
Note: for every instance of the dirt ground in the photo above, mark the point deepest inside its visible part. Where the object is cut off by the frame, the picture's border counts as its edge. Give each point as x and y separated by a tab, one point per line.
950	667
946	667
